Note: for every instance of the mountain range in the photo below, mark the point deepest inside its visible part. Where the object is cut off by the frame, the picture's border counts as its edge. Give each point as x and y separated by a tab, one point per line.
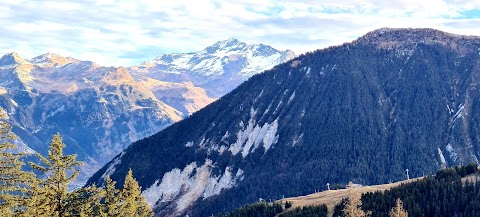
101	110
364	111
218	68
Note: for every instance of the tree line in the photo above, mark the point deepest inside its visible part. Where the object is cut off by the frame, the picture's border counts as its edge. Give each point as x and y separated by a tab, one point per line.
43	190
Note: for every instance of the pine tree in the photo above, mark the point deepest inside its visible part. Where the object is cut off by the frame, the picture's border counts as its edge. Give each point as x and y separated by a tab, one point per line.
55	187
110	206
14	182
398	210
23	194
37	203
132	204
88	201
353	208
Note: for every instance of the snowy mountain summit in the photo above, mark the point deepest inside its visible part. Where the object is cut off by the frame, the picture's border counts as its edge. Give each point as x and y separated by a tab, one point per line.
218	68
11	59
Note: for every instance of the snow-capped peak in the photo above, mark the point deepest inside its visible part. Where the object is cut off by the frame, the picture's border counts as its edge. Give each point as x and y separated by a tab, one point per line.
218	68
226	45
51	58
12	59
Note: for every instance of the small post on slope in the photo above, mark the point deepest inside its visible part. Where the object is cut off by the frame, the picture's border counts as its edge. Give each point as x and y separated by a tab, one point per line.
408	177
328	186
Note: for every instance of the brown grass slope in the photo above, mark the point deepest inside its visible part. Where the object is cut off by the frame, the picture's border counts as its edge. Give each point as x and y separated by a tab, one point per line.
333	197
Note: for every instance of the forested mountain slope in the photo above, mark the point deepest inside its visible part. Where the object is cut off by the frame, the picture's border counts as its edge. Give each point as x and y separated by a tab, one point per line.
364	111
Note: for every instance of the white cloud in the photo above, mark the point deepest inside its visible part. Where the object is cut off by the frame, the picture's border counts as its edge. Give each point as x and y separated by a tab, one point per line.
129	32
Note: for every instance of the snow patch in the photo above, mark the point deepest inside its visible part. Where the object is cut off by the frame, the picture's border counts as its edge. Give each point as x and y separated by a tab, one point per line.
225	181
202	143
278	107
258	97
111	168
307	70
86	81
442	158
195	186
171	184
253	135
187	185
62	108
291	97
450	110
189	144
268	109
297	139
222	149
459	113
14	103
37	129
225	137
452	153
334	67
322	71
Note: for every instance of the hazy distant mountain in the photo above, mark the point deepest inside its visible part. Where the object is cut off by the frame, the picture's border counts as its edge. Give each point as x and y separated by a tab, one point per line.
100	110
364	111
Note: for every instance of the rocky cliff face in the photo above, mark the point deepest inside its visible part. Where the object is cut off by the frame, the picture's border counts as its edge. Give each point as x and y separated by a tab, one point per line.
364	111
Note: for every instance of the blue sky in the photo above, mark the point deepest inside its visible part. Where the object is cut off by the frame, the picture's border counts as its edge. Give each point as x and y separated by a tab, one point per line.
129	32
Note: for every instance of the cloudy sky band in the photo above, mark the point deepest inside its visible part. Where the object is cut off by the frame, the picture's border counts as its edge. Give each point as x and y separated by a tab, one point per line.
129	32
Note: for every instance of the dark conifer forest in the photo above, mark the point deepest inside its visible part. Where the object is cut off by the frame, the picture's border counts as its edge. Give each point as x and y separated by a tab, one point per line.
448	193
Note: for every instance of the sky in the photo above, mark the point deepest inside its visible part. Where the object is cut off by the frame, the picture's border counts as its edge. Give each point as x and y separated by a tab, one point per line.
124	33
